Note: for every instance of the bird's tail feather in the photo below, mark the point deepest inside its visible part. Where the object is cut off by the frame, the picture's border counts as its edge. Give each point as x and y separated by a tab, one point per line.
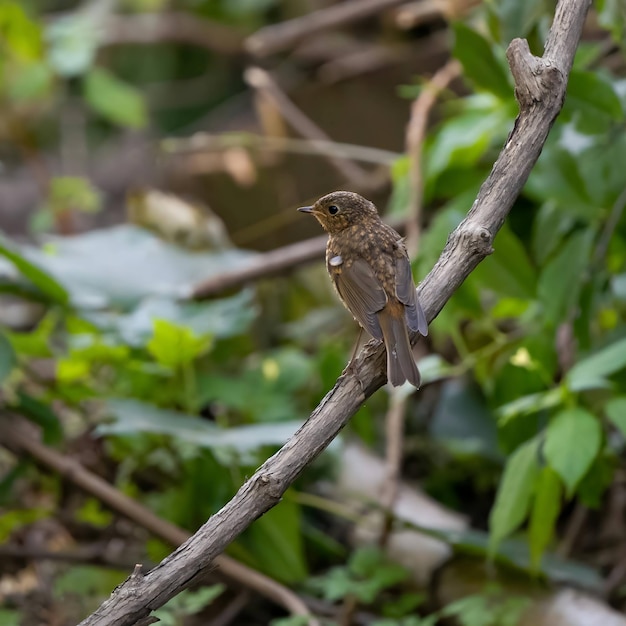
400	362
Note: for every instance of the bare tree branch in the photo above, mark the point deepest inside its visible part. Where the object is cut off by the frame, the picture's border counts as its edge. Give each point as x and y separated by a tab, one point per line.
540	85
277	37
264	265
415	136
148	28
204	142
263	82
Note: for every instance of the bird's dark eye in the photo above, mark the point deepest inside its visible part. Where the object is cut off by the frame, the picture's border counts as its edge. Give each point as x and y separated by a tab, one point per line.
333	209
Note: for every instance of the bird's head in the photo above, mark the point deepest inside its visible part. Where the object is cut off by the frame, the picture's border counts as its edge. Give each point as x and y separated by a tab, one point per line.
340	209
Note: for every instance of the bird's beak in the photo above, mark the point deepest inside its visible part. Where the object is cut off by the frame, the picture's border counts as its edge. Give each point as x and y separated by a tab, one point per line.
306	209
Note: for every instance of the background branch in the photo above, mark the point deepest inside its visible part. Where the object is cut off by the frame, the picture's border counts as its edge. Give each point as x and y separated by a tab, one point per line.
150	28
415	135
19	438
263	82
540	85
277	37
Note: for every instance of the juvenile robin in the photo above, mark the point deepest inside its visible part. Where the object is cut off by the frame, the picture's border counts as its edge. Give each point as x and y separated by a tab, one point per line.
370	269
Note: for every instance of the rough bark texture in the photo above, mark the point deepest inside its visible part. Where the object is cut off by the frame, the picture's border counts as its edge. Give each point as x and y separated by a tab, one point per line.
540	87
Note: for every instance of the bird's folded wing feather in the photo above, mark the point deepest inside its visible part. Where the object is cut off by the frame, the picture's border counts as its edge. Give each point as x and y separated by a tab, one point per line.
363	295
407	294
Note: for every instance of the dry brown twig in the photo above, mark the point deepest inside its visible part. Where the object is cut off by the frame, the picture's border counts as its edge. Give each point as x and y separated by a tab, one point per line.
540	85
277	37
414	14
148	28
263	82
18	437
265	265
202	142
415	135
268	263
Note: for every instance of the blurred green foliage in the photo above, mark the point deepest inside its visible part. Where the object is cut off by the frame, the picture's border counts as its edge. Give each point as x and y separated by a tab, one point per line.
547	292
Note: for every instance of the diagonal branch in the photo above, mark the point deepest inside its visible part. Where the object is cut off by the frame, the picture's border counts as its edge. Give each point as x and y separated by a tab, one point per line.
540	85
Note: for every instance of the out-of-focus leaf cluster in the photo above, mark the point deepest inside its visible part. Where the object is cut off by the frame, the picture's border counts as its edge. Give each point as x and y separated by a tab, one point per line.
540	324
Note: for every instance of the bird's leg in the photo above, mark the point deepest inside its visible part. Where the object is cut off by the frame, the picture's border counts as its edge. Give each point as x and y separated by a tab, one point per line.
356	348
350	368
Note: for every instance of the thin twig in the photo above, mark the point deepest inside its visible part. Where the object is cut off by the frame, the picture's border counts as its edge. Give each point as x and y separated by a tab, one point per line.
413	14
150	28
365	60
263	265
263	82
394	439
91	554
277	37
18	437
232	610
201	142
282	259
574	525
415	135
609	228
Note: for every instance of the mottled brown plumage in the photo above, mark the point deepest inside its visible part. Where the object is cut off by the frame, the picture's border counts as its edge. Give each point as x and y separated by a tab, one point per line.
370	269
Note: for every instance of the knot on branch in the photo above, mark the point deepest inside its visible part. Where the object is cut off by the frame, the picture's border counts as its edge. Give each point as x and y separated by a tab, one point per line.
537	80
270	486
473	238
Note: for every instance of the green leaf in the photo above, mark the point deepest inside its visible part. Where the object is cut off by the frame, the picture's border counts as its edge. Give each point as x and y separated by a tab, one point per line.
86	581
20	35
187	603
573	440
480	64
11	618
543	515
593	96
597	366
508	272
531	403
132	416
115	100
275	543
41	414
461	141
174	346
492	606
517	18
612	16
32	82
549	228
8	359
43	281
559	283
96	278
615	410
334	585
14	519
72	43
514	492
221	318
72	193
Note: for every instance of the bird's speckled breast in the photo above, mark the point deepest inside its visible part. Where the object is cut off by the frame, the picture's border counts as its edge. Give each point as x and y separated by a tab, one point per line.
373	241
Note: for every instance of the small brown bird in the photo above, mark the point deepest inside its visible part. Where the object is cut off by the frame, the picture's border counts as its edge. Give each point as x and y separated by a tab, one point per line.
370	269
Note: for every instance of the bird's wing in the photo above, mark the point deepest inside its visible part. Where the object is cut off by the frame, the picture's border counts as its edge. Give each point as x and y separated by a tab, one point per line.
362	294
407	294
